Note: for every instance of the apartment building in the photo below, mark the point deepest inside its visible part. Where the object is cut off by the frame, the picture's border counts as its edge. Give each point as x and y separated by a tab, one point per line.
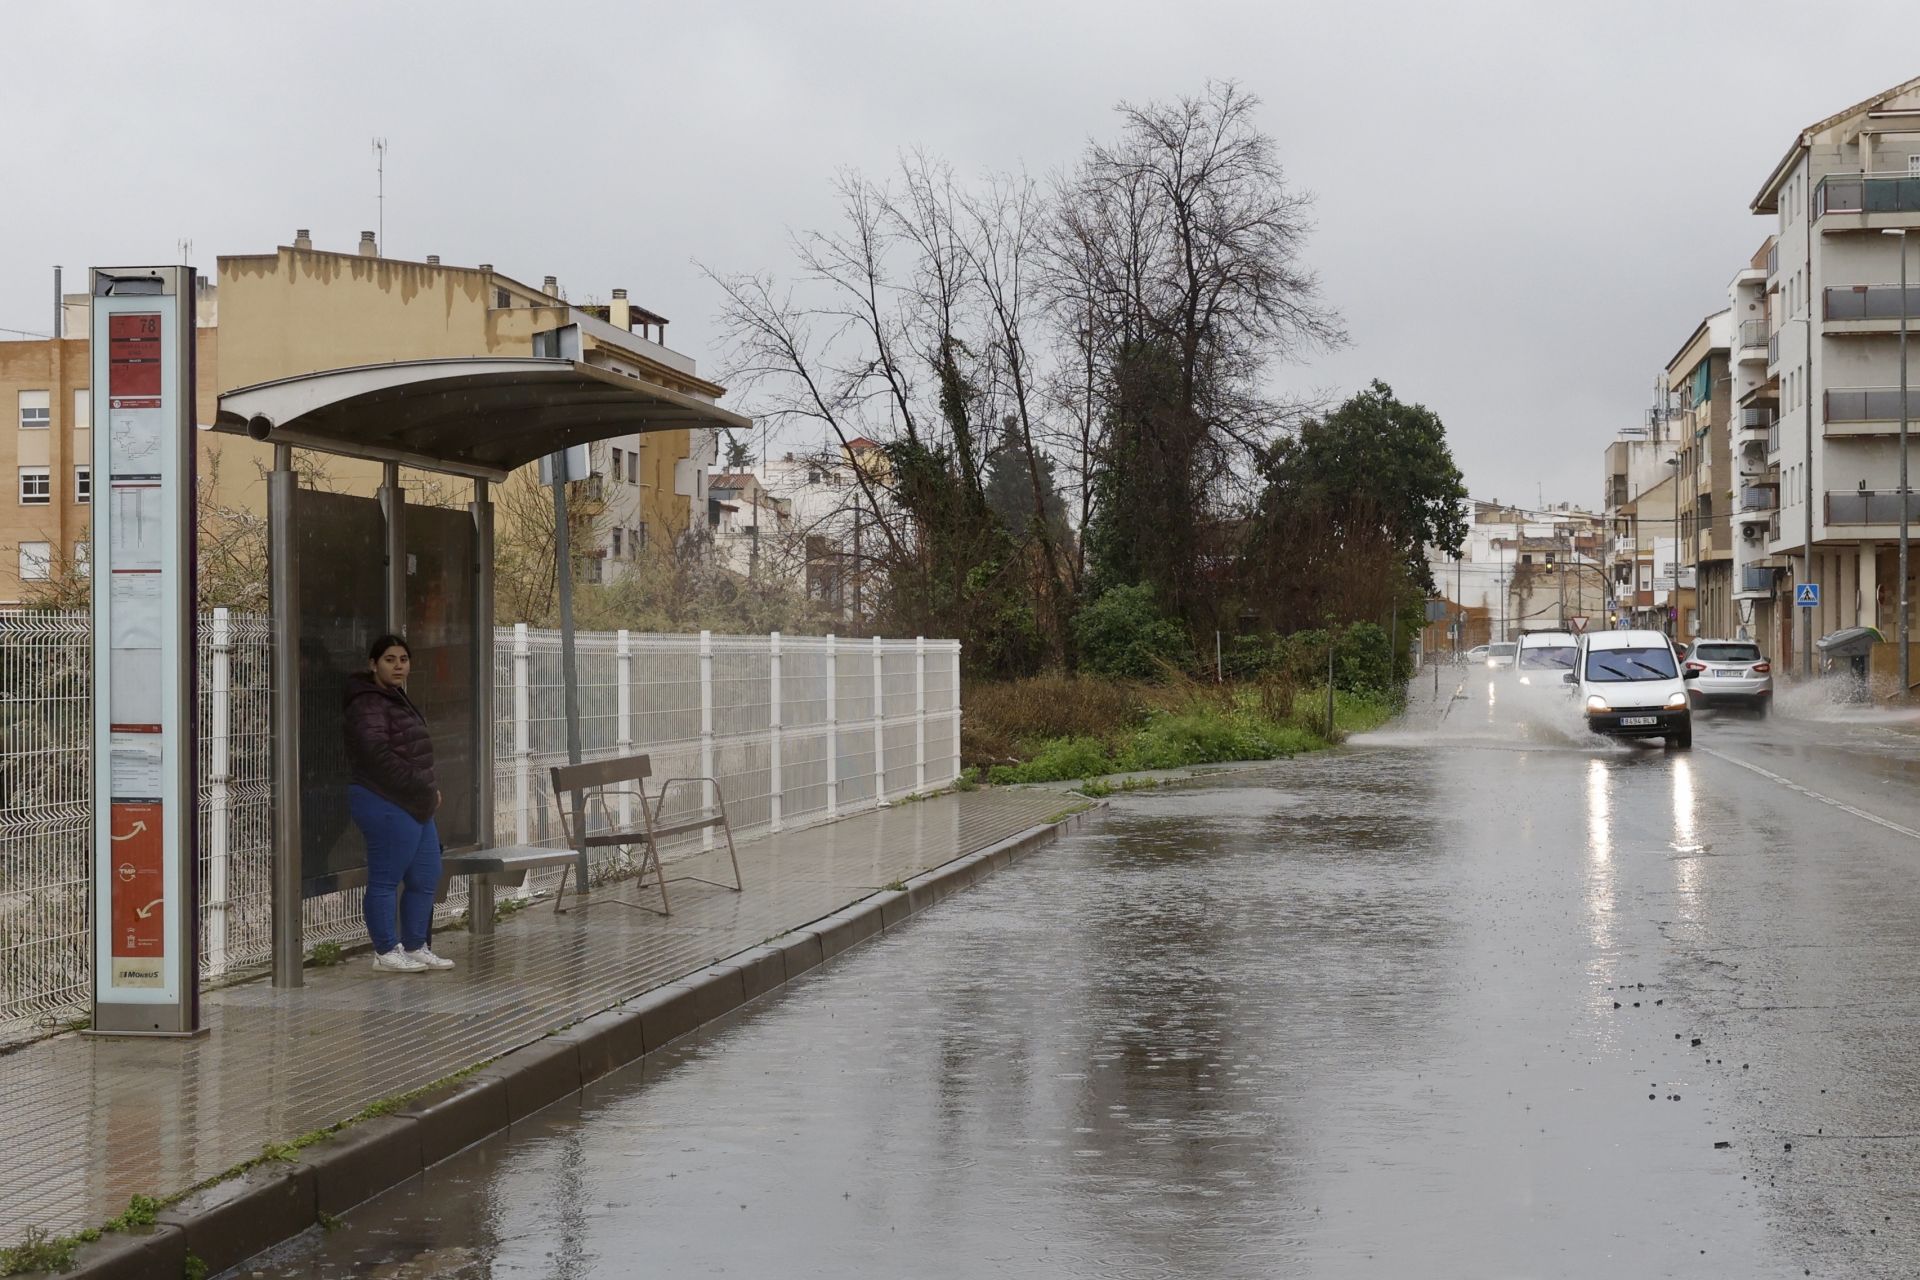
1698	388
300	309
1755	434
1521	570
1652	583
1832	372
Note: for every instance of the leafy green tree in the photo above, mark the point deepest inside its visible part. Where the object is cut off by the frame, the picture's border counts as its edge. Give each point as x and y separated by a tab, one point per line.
1122	633
1351	504
1009	492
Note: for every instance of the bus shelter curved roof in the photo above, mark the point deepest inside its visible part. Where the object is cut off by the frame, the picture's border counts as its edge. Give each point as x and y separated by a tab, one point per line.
481	417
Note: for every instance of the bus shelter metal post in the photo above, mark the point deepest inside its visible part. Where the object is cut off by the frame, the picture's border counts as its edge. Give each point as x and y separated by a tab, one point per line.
284	597
480	904
393	505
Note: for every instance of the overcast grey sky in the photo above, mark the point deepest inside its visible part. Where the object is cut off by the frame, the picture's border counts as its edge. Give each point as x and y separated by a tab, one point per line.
1523	208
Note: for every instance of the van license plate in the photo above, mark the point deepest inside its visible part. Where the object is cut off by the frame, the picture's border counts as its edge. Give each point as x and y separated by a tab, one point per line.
1627	722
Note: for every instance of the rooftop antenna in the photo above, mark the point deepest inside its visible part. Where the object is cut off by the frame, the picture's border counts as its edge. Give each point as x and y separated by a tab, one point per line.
380	168
185	247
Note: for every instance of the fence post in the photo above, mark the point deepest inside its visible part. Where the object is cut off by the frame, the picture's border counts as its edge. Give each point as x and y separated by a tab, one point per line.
879	725
220	774
955	709
623	664
833	728
919	714
522	739
706	730
776	782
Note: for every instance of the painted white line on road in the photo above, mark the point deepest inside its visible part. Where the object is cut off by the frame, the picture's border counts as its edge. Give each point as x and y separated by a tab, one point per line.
1811	794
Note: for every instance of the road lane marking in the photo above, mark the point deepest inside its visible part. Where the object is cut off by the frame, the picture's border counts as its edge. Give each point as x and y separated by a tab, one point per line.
1811	794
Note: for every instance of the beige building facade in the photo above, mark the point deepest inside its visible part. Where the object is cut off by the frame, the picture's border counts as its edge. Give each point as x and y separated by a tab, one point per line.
299	310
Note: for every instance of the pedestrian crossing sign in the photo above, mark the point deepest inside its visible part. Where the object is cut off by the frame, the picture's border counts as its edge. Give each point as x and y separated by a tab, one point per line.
1807	595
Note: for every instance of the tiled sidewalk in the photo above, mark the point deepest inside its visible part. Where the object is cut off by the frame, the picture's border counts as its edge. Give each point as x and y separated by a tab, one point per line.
86	1123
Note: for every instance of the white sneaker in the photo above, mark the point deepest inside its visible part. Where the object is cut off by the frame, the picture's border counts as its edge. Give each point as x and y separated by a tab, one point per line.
425	958
397	961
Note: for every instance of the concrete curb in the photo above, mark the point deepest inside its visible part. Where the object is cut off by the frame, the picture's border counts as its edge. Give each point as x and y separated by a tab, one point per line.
226	1224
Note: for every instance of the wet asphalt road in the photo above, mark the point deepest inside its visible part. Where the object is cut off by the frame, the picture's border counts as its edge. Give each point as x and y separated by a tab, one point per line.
1478	997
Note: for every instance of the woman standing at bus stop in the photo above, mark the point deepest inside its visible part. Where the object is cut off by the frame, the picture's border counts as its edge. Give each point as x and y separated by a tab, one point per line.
393	796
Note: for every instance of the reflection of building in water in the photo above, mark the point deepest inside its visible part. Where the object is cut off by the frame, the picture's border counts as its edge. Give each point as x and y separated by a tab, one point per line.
298	310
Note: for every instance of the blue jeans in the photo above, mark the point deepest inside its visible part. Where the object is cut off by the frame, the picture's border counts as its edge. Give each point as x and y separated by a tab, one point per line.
400	851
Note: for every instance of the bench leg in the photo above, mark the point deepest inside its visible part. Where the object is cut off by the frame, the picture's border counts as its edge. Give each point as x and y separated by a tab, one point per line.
479	906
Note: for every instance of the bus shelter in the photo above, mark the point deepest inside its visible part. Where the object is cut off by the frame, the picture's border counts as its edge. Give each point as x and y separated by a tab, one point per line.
345	568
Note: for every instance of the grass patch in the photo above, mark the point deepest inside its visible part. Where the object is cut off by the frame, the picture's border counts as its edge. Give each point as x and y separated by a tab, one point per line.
327	954
1055	729
38	1251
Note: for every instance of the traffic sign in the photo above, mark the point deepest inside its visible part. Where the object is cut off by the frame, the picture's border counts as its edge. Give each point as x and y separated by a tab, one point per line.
1807	595
1579	621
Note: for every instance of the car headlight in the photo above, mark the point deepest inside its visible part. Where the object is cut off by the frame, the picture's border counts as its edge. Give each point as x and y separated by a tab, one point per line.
1597	705
1526	679
1677	701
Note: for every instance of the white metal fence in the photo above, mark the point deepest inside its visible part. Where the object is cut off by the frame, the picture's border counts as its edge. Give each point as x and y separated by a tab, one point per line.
796	730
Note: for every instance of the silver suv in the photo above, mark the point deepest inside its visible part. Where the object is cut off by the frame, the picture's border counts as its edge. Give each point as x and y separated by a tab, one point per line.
1730	673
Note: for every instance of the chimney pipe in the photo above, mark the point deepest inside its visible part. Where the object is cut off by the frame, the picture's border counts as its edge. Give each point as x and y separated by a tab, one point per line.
368	249
486	266
620	312
433	259
551	286
303	239
59	308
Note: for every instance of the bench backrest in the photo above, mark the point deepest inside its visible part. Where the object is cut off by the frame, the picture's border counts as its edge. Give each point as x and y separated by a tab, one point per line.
600	773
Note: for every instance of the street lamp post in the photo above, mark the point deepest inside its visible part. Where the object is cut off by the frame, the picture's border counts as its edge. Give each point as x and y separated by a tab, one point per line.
1906	682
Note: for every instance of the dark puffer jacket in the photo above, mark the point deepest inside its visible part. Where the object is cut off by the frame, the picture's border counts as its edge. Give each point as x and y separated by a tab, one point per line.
388	745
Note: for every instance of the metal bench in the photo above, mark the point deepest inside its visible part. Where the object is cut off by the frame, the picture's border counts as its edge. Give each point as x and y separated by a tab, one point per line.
576	787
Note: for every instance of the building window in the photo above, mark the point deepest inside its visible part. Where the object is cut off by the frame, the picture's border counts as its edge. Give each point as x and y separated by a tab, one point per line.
82	409
36	411
502	299
616	544
83	558
618	470
83	484
36	487
593	573
1913	165
633	468
36	561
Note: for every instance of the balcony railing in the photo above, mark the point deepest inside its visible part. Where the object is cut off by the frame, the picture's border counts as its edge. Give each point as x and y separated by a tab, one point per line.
1870	506
1753	333
1756	578
1861	193
1867	404
1756	419
1759	497
1870	302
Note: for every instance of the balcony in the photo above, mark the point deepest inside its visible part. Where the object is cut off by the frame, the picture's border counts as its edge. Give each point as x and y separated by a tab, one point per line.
1869	302
1871	506
1866	193
1753	333
1758	498
1867	404
1756	578
1755	418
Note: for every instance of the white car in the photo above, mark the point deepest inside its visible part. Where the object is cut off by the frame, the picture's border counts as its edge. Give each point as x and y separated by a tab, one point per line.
1630	685
1501	655
1544	657
1475	656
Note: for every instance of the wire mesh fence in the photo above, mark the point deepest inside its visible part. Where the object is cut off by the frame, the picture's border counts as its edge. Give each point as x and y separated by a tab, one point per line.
795	729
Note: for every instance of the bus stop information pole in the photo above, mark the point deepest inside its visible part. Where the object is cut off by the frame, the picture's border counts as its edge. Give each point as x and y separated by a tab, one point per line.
146	908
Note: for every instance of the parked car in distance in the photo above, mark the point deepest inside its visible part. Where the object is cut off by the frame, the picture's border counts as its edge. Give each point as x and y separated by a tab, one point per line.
1476	655
1730	673
1544	656
1631	686
1501	655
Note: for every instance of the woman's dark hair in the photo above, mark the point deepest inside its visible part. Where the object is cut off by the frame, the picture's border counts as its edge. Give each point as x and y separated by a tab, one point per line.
385	643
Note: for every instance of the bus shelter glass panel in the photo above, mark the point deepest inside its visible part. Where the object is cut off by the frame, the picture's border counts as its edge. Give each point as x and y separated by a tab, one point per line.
340	544
441	558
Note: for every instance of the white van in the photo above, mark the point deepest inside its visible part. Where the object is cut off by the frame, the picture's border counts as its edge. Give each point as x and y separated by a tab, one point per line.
1544	657
1631	686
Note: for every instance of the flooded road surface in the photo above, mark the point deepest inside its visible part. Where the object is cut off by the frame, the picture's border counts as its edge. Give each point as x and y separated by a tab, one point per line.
1475	998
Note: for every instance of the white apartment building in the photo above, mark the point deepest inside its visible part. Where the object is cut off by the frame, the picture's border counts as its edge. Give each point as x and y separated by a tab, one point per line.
1522	570
1832	371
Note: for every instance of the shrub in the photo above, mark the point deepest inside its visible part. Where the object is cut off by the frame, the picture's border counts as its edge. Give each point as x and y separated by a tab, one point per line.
1124	635
1056	761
